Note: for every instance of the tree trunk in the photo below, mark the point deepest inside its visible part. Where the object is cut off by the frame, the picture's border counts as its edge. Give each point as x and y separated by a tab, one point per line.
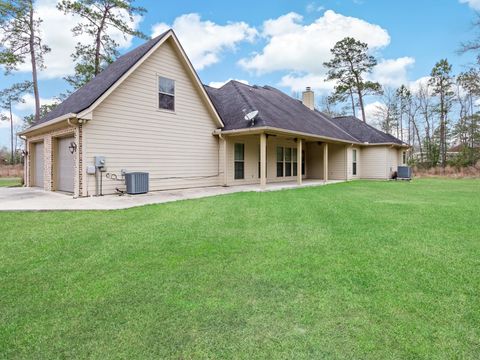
415	127
98	41
12	155
360	102
401	121
442	131
34	64
353	103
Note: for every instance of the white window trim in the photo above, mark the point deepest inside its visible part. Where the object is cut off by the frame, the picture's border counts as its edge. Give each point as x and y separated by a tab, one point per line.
284	162
234	161
174	111
355	151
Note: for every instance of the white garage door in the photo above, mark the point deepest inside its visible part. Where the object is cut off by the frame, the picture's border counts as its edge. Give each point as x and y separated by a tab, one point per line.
65	165
38	165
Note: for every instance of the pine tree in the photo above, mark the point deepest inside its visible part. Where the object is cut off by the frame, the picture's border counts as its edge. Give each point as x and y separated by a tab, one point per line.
98	17
441	81
20	40
348	66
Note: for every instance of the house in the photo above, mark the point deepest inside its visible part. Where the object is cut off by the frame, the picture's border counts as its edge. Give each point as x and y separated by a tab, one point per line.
148	111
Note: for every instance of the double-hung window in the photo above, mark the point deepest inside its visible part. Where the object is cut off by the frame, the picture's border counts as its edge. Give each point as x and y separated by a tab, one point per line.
288	161
166	94
295	165
239	171
354	162
404	157
287	164
279	161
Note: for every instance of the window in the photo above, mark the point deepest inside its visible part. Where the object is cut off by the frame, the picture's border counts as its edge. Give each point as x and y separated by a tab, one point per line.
166	94
288	162
279	161
239	161
354	162
404	157
295	167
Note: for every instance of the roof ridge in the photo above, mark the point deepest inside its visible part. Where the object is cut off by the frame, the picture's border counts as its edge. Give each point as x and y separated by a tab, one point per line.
242	94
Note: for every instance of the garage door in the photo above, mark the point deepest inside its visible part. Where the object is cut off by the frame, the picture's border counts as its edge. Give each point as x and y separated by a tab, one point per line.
65	165
38	165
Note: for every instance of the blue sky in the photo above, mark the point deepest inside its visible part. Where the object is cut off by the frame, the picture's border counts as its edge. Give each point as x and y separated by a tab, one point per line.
280	43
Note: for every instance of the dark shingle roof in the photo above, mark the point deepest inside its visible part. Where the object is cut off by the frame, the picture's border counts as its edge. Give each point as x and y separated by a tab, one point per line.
276	109
364	132
90	92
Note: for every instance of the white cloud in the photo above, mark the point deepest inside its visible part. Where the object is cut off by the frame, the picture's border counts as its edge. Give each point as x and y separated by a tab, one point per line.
474	4
300	82
29	103
294	46
301	49
420	82
219	84
56	33
204	41
393	72
6	124
313	7
372	109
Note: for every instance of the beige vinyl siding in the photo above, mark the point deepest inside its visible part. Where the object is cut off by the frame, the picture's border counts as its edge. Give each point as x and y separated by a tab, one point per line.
374	160
336	161
392	161
350	175
315	160
176	148
252	158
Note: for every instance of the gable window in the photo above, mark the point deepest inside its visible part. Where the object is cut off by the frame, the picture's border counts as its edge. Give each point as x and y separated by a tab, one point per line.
166	94
279	161
239	171
354	162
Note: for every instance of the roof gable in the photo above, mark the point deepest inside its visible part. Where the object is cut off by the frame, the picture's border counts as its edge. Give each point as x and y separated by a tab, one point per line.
92	93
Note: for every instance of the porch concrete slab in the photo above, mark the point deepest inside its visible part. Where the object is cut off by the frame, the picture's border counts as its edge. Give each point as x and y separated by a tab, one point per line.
34	199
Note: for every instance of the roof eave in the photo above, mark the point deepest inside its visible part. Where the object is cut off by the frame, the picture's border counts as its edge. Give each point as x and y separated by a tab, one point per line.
47	123
260	129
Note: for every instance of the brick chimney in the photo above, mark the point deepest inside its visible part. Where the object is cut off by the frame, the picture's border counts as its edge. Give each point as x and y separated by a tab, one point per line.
308	98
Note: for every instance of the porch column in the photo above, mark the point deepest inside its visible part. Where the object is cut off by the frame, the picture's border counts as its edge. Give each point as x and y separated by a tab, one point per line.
325	162
263	160
299	161
223	147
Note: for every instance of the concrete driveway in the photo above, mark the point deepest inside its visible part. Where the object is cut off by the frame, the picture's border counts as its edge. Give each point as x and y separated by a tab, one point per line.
34	199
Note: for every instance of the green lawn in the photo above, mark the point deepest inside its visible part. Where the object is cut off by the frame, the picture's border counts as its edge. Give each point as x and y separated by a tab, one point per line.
359	270
10	182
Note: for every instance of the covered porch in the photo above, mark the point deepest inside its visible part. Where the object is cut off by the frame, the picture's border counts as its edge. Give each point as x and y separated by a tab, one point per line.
268	158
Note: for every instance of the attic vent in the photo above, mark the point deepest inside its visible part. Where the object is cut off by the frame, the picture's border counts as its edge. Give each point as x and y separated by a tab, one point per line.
136	182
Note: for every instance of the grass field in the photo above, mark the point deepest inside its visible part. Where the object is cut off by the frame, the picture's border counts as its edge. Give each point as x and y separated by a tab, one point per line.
360	270
10	182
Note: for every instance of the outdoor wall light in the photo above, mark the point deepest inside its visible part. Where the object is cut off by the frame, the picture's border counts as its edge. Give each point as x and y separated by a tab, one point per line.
72	147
